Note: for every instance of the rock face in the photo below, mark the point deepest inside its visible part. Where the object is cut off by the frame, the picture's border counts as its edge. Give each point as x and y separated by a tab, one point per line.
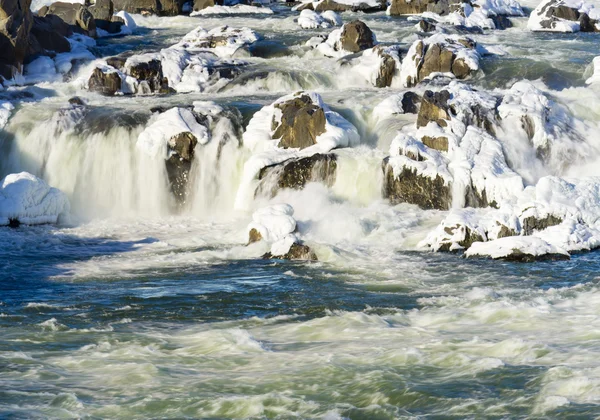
297	251
153	7
50	33
16	21
413	188
387	69
415	7
441	55
181	153
105	82
356	36
532	223
296	173
74	14
301	123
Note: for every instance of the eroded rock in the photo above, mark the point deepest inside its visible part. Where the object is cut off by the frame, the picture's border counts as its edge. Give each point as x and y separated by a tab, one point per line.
356	36
301	123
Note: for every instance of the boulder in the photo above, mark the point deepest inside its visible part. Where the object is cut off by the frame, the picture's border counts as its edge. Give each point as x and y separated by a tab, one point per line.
296	173
558	16
16	21
334	6
102	10
203	4
149	73
356	36
427	26
460	235
301	123
434	107
297	252
75	14
414	188
415	7
387	68
411	103
181	153
107	81
50	33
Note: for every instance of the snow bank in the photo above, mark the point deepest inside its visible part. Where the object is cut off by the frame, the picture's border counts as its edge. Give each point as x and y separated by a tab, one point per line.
29	200
276	226
516	247
155	138
265	151
238	9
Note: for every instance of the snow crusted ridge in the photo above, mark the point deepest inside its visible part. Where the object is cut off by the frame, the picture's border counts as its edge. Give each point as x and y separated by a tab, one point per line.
549	18
265	150
310	19
187	66
238	9
27	199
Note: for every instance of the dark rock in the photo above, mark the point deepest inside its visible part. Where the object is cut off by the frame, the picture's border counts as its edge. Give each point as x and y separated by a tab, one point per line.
74	14
179	163
427	26
340	7
296	173
586	24
519	256
469	237
107	83
501	21
301	123
356	36
410	187
151	73
411	102
102	10
16	21
51	32
76	100
203	4
297	252
531	224
505	231
554	11
117	62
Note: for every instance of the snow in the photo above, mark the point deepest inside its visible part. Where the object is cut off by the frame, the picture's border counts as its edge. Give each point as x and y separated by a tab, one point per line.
391	105
163	127
309	19
265	151
30	200
238	9
353	3
276	226
5	111
538	16
505	247
38	4
368	63
595	77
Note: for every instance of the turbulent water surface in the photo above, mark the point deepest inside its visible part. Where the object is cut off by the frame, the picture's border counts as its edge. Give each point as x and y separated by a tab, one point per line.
132	311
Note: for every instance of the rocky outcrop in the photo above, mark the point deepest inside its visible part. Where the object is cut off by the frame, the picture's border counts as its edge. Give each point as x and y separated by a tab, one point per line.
107	82
152	7
296	173
356	36
532	223
149	74
411	187
300	124
459	237
332	5
415	7
181	153
50	33
297	251
16	21
561	16
75	14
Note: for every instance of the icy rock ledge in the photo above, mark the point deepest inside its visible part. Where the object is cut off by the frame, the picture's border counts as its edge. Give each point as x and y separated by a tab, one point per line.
276	225
27	199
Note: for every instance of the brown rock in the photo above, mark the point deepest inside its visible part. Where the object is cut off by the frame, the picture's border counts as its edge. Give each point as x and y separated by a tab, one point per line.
16	21
356	36
254	236
531	224
434	107
301	123
296	252
386	71
437	143
460	69
151	73
106	83
469	237
179	163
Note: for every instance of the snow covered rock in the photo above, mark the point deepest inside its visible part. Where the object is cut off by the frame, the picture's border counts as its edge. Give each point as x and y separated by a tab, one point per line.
517	248
309	19
26	199
298	123
379	65
147	70
342	5
414	7
276	226
564	16
105	80
439	55
266	147
238	9
296	173
351	38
